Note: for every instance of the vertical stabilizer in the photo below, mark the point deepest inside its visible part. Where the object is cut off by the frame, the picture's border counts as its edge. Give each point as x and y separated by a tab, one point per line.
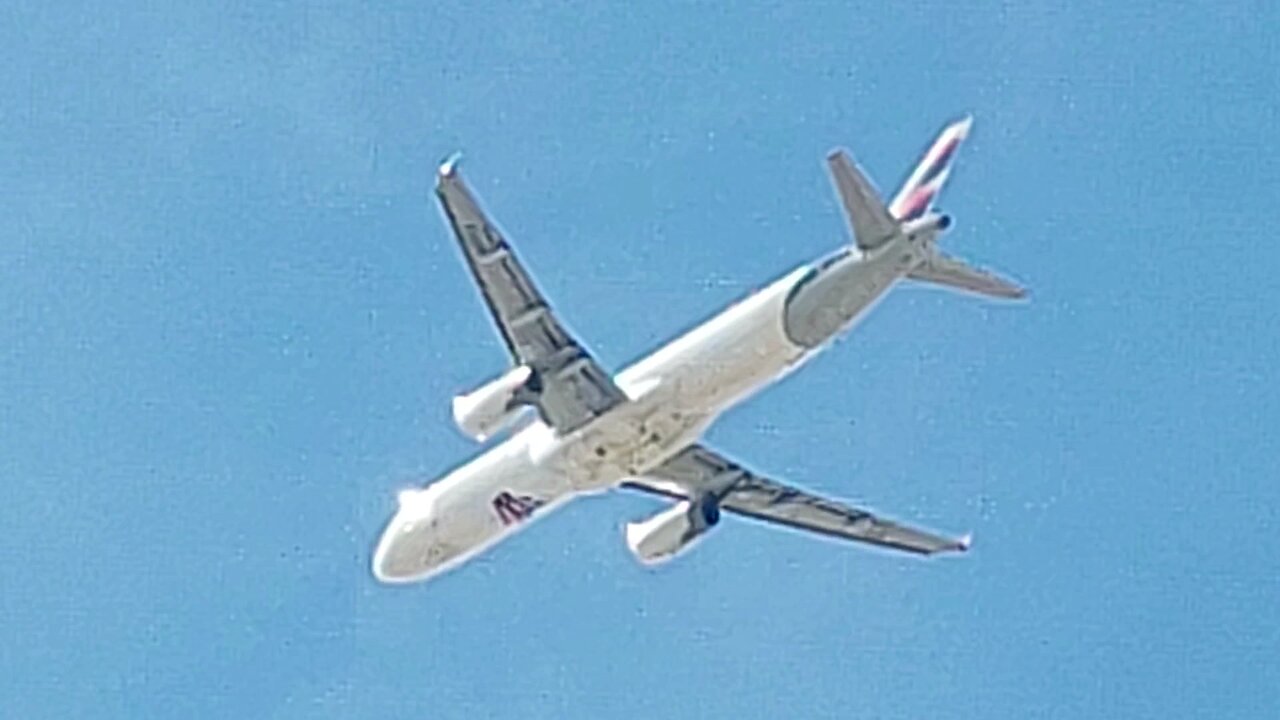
873	223
921	189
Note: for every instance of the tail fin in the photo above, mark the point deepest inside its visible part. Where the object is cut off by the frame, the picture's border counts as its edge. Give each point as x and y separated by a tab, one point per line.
873	223
917	194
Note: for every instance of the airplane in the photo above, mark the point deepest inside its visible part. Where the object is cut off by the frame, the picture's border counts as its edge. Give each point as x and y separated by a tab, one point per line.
573	429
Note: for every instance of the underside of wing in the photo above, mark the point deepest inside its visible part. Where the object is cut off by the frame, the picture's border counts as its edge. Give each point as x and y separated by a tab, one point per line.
699	471
569	388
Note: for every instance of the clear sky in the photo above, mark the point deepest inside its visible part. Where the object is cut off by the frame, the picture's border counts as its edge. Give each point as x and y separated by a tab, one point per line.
233	320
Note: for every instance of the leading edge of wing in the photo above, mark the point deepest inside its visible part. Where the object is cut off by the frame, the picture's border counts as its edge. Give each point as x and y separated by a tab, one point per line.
940	545
878	530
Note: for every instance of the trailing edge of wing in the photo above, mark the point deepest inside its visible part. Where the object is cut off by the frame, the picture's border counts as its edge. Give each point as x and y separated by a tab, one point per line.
869	220
698	469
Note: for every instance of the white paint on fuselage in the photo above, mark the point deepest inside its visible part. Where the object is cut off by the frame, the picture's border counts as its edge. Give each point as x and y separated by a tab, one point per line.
674	394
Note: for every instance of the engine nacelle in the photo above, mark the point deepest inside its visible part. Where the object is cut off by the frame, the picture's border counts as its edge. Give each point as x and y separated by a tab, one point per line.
672	531
490	408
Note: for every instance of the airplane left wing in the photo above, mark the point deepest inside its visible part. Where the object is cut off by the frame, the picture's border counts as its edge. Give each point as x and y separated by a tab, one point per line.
572	388
698	470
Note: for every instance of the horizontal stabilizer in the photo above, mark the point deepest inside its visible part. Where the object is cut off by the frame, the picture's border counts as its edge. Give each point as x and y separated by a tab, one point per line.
699	469
942	269
869	219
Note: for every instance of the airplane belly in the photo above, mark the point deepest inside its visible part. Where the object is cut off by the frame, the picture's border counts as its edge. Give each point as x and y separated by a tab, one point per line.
718	363
472	524
767	335
678	391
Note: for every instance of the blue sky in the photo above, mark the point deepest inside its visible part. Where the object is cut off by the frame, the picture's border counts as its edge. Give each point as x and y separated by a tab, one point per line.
234	320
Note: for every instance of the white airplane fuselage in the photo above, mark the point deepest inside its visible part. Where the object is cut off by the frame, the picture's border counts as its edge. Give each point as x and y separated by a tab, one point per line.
674	395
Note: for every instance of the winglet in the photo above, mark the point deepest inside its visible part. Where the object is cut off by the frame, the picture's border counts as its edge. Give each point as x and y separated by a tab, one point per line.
450	164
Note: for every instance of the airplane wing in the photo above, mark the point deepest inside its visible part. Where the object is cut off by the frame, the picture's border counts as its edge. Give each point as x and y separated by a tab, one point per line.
698	469
574	388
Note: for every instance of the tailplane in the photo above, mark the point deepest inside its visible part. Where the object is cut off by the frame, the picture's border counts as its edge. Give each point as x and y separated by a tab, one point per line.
912	211
916	199
942	269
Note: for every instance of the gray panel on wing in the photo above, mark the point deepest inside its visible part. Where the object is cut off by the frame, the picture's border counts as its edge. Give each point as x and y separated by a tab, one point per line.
571	389
698	470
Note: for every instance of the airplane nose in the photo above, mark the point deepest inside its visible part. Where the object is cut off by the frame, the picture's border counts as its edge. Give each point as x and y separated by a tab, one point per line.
395	561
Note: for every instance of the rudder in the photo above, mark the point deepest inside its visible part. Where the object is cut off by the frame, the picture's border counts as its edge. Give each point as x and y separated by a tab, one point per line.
921	189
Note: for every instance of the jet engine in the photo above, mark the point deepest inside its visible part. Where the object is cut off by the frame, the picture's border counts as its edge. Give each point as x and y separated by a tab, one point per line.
672	531
490	408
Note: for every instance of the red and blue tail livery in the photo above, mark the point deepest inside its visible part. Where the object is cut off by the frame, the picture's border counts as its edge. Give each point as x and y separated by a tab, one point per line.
922	188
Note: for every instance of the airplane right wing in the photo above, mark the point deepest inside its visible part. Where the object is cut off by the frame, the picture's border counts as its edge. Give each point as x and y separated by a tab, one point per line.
573	388
697	470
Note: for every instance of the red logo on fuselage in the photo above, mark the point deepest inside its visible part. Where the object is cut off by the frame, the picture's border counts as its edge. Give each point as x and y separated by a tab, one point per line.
512	509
